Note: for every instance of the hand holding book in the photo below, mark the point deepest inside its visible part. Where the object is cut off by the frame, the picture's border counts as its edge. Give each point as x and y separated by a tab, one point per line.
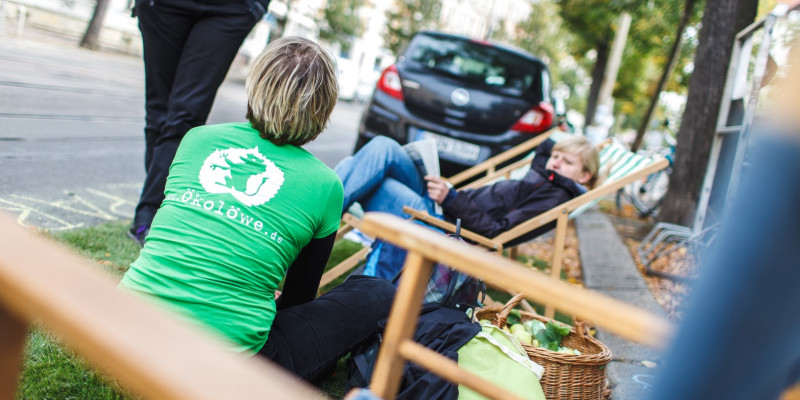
426	158
437	188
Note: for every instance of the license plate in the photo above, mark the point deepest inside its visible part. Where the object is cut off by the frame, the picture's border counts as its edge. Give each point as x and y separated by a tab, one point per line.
453	147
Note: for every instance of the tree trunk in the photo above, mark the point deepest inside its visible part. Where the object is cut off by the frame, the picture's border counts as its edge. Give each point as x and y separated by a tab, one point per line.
91	39
598	72
722	19
662	83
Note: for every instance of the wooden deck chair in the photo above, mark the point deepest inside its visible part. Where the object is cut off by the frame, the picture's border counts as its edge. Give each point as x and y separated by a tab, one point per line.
425	248
622	167
488	168
349	222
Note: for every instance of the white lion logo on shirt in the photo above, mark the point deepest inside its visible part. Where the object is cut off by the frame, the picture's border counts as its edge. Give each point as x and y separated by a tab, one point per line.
244	173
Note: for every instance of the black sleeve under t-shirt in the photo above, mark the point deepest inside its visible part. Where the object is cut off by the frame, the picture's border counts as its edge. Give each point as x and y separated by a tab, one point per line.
303	277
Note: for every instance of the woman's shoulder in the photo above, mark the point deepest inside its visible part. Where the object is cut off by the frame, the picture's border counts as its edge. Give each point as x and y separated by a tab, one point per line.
325	173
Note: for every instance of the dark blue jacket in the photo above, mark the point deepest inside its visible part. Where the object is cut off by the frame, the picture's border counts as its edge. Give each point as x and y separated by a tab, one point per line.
494	209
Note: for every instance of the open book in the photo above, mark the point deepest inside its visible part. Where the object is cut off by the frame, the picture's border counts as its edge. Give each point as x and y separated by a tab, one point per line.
426	158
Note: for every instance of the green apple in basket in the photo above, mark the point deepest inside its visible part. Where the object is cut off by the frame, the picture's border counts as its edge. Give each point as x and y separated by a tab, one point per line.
523	336
533	326
517	327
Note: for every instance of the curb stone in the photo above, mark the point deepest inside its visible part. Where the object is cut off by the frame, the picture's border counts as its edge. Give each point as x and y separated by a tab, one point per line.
609	268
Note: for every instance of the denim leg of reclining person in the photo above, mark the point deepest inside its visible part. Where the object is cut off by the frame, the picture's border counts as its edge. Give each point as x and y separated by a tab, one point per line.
308	339
382	177
378	160
390	197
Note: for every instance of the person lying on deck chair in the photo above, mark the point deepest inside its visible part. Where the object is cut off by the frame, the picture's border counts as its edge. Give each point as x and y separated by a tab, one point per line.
382	177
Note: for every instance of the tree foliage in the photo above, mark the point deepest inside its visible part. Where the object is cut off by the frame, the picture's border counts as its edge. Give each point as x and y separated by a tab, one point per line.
406	18
340	22
591	25
542	34
669	65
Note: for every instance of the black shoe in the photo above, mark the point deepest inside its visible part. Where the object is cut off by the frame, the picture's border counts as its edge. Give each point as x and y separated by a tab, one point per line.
138	233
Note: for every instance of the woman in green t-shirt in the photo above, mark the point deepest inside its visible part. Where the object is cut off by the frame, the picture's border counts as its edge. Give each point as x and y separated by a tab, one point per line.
245	207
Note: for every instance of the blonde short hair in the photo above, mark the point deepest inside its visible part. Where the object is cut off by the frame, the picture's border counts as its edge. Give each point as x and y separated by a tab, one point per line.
291	91
581	146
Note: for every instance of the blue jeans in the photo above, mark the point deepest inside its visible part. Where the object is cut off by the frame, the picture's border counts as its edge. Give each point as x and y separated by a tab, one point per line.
382	177
308	339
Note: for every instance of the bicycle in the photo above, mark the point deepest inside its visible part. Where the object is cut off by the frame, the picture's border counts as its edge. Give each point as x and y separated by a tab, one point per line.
647	195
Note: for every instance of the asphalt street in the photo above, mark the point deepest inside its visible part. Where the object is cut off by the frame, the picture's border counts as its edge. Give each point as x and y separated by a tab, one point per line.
71	132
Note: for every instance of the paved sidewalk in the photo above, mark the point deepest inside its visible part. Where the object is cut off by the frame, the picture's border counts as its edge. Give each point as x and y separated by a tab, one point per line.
608	268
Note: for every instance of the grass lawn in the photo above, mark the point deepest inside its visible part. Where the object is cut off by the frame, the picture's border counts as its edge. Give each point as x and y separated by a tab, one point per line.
53	371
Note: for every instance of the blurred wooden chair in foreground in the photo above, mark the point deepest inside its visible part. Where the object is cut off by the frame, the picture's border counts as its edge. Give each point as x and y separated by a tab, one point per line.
143	348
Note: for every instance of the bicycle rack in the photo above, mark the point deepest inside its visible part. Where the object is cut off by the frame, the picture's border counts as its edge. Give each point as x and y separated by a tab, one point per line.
656	245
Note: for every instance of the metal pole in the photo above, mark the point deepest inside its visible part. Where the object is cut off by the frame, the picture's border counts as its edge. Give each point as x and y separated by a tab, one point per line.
614	60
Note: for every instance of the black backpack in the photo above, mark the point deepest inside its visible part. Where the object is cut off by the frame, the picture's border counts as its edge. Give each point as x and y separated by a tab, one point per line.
453	288
448	289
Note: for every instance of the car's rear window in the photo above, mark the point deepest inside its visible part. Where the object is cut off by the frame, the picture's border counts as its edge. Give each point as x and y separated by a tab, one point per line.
479	64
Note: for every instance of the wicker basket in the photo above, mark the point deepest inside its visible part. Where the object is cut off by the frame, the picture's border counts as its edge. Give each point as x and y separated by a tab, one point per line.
566	376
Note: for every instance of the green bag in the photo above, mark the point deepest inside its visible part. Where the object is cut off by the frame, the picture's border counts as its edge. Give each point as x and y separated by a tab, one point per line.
498	357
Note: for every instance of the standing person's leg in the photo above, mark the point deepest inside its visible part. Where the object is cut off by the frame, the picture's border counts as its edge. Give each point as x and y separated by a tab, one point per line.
378	160
164	28
207	54
310	338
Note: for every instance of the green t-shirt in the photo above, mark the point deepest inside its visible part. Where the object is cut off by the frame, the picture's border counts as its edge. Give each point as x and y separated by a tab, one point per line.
237	212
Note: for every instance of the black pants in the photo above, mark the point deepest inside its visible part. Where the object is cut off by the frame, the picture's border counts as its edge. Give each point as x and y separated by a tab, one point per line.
310	338
188	48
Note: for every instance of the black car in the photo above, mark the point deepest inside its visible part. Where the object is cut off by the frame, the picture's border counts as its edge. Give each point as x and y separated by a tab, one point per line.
475	98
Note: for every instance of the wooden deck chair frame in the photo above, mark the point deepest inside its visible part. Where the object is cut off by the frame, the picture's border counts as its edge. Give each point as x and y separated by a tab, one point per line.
425	248
488	168
560	214
144	349
349	222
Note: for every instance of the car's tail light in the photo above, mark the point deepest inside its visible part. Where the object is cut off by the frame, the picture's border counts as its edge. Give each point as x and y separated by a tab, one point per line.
390	83
536	120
